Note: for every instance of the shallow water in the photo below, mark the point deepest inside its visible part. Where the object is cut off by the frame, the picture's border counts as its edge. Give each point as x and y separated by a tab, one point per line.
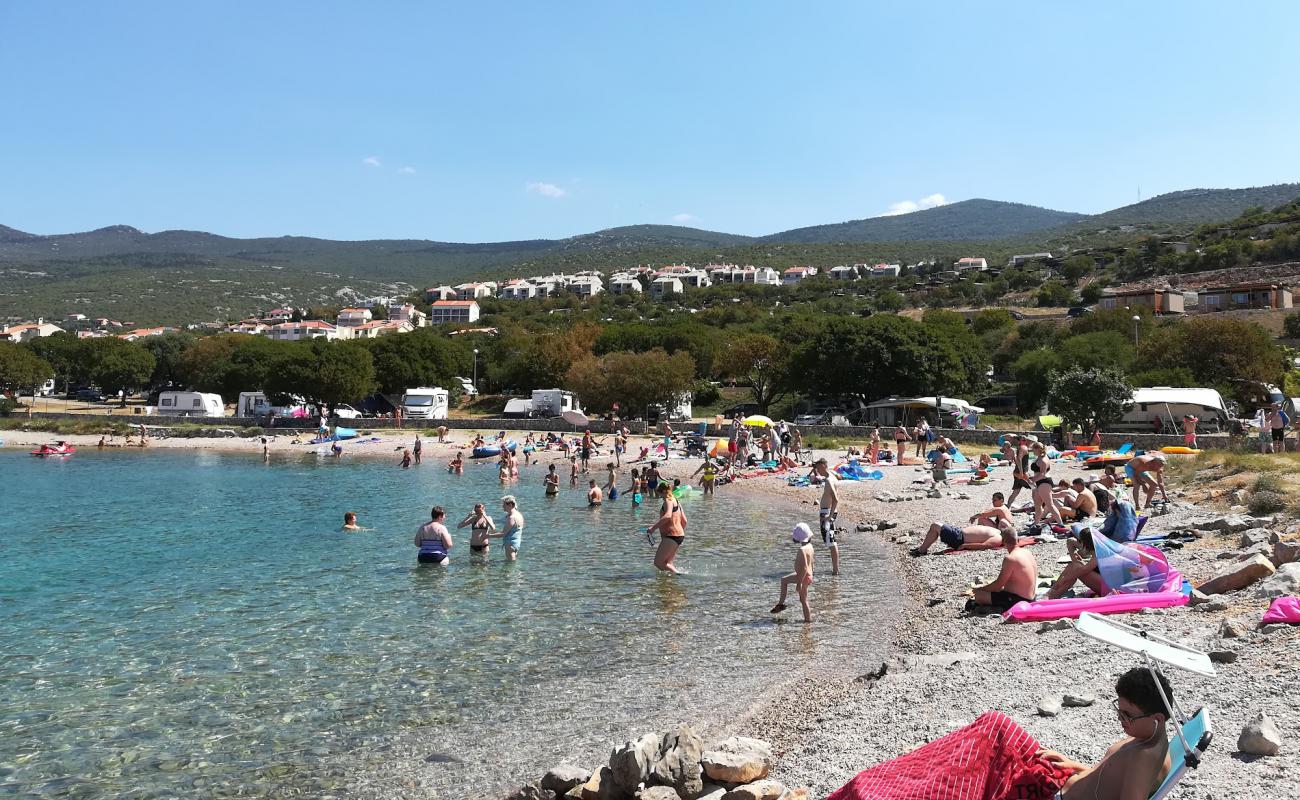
192	624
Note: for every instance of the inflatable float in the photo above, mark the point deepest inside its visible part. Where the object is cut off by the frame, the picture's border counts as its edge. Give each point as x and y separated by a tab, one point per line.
1107	460
854	471
1180	450
56	449
1072	607
492	450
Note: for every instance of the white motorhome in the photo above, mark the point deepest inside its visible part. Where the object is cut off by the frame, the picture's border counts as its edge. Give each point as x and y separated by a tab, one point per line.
256	404
543	403
1169	405
425	403
191	404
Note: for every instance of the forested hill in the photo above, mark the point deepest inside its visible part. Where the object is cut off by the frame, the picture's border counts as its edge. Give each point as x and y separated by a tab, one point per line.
1193	207
968	219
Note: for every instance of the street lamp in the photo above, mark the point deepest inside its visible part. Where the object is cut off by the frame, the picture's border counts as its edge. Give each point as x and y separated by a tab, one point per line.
1136	321
474	382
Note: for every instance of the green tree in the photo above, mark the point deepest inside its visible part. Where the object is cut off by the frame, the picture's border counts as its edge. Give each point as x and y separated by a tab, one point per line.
632	380
762	362
1175	377
1054	294
20	368
324	373
1230	354
1033	375
1098	349
992	319
1091	399
422	357
1291	326
168	350
63	352
116	365
1091	294
1075	267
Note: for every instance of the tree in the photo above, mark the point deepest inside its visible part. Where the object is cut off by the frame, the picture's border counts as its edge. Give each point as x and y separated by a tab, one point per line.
1234	355
324	373
1291	326
168	350
1097	349
634	381
1032	372
1090	295
763	363
1075	267
20	368
1089	398
422	357
992	319
1054	294
62	351
117	366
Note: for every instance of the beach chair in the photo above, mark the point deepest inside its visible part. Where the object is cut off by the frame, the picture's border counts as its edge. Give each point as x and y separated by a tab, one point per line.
1192	734
1124	449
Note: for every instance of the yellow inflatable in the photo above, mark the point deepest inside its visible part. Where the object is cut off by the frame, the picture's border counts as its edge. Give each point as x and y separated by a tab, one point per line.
1179	450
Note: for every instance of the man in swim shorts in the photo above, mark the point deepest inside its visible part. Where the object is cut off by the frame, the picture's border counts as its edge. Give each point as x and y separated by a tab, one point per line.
827	510
971	537
1016	581
594	495
1142	469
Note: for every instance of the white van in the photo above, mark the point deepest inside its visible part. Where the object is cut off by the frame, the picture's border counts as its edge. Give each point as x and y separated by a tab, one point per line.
1169	405
191	404
425	403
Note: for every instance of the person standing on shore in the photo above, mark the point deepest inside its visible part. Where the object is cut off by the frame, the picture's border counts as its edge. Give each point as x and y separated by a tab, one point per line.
875	444
827	511
434	540
442	434
671	527
900	443
733	439
802	577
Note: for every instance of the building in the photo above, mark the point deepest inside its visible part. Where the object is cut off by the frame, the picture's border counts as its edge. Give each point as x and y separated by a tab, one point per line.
625	284
252	326
29	330
695	279
373	330
844	273
439	293
665	285
1017	261
459	311
970	264
586	286
1161	300
371	302
352	317
75	319
518	289
140	333
795	274
304	330
886	270
280	315
762	276
409	314
473	291
1244	295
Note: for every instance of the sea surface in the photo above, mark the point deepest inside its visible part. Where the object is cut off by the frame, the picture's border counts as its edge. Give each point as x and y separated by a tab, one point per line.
193	624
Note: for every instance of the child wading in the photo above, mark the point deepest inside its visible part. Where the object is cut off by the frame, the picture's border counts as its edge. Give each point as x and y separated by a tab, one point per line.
802	577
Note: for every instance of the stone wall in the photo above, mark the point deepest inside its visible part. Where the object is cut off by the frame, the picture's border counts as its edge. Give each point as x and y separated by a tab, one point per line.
309	423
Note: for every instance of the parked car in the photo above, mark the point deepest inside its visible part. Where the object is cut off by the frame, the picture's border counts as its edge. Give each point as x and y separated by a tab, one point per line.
742	409
345	411
90	395
831	416
1078	311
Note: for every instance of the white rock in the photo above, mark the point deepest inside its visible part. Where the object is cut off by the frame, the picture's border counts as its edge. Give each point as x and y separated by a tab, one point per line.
1260	737
1049	706
1286	581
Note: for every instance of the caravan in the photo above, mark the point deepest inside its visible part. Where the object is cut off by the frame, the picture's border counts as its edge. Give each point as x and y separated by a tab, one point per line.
191	404
425	403
256	404
1169	406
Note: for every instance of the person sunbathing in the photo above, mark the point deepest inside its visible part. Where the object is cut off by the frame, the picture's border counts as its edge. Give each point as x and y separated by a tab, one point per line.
1016	581
1082	567
995	753
971	537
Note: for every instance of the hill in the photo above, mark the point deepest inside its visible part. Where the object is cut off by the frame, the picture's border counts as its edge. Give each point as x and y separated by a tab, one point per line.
1193	207
968	219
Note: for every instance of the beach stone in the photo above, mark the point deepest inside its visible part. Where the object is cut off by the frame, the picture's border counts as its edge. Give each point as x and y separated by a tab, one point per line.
1223	656
1049	706
532	791
1056	625
1197	597
658	793
1285	552
630	764
737	759
1238	575
1080	700
1232	523
677	763
712	791
1284	582
564	777
600	786
1253	536
1260	737
1216	604
758	790
1232	629
795	794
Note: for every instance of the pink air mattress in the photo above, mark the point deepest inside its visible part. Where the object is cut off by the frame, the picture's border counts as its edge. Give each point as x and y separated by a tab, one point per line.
1072	607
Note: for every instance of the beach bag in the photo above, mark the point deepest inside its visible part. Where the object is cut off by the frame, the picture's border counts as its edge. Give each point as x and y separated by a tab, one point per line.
1283	609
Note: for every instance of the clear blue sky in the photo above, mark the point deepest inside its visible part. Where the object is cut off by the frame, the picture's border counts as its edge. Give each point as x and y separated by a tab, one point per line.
492	121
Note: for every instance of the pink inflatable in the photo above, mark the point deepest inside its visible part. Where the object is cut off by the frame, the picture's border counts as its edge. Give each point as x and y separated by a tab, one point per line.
1283	609
1072	607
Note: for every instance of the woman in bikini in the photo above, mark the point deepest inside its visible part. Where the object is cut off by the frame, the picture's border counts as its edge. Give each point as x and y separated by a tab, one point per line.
480	525
900	442
1040	477
671	528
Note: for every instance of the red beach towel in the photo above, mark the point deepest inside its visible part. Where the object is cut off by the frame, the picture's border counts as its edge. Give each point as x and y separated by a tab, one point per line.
990	759
1024	541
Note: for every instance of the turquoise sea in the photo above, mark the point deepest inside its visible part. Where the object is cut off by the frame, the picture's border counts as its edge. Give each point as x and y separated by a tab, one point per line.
193	624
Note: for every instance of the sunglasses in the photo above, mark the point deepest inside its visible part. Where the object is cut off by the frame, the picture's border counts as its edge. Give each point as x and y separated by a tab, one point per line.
1124	716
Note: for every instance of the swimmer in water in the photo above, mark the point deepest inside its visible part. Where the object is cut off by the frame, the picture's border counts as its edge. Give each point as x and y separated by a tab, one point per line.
552	481
434	540
802	577
350	523
481	527
594	495
457	465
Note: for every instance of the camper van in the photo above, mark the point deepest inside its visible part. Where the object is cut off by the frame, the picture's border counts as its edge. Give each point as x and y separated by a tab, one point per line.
256	404
191	404
543	403
1170	405
425	403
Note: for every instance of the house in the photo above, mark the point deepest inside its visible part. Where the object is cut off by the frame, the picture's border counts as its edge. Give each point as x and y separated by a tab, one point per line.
473	291
666	285
1161	300
624	284
886	270
373	330
695	279
675	269
371	302
587	286
280	315
252	326
304	330
762	276
439	293
1017	261
461	311
409	314
29	330
1263	294
352	317
844	273
140	333
75	319
723	273
795	274
969	264
518	289
545	286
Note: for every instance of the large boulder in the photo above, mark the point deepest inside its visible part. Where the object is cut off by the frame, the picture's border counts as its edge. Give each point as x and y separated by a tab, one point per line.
1286	581
600	786
564	777
1260	737
677	761
758	790
738	759
532	791
658	793
1285	552
1238	575
630	763
1253	536
1233	523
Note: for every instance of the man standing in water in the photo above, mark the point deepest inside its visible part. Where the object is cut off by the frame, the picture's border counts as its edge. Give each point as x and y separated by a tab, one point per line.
827	510
417	448
512	537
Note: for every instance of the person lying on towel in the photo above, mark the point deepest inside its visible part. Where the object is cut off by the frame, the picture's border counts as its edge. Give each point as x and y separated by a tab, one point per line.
993	758
971	537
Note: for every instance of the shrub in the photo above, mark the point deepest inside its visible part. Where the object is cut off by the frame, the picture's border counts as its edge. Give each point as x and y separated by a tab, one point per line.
1265	503
1268	483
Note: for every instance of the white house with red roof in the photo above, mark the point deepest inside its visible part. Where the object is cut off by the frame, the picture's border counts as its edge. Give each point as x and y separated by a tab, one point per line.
459	311
352	317
304	330
439	293
473	291
793	275
969	264
279	315
29	330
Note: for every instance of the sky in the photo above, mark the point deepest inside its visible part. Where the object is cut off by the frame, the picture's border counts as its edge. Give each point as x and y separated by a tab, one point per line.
491	121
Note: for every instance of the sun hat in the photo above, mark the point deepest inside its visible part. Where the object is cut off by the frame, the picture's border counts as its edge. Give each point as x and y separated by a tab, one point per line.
801	533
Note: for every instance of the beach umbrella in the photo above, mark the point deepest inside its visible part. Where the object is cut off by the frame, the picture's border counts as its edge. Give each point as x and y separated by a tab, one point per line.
759	421
574	417
719	448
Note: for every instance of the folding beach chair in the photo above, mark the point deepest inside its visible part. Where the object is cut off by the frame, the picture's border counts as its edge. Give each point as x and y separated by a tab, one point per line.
1192	734
1124	449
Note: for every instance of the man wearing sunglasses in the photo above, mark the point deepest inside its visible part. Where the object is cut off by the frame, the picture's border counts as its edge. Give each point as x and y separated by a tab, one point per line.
1135	765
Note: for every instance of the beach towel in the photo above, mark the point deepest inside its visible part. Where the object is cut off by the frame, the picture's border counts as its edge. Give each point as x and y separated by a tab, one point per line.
990	759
